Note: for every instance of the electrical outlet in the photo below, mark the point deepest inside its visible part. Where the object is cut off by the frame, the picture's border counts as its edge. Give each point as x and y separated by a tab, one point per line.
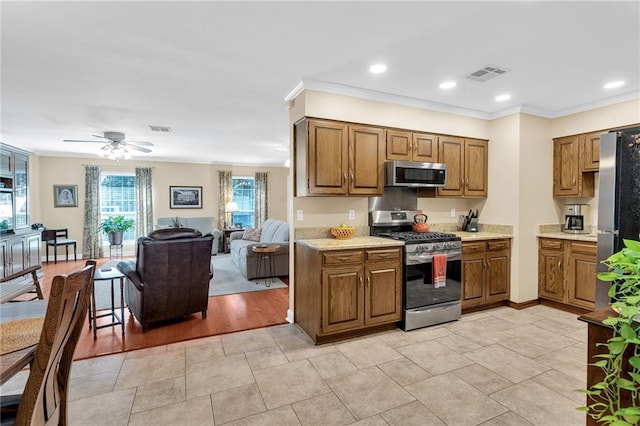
453	212
299	214
352	215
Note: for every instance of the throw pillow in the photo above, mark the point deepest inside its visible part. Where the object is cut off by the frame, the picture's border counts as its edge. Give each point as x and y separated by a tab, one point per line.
252	234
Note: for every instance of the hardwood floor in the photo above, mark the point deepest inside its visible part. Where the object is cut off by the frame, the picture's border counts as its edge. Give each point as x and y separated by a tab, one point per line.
226	314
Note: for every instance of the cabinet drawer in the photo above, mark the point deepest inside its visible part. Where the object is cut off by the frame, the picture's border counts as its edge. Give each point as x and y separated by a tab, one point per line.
382	254
583	247
473	247
551	244
495	245
342	257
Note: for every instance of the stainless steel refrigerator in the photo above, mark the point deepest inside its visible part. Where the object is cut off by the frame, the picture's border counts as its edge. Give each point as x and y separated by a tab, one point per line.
619	198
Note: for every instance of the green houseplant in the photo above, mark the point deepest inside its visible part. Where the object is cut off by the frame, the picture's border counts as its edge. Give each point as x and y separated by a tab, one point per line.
604	398
115	227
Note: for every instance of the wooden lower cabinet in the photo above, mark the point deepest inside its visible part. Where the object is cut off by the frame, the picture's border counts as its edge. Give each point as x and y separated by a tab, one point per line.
486	272
339	293
567	272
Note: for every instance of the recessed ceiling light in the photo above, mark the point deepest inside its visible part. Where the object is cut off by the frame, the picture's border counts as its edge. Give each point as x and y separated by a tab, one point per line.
448	85
378	68
502	98
613	84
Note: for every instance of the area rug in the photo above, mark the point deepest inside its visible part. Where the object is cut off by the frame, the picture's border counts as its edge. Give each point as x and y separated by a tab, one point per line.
227	279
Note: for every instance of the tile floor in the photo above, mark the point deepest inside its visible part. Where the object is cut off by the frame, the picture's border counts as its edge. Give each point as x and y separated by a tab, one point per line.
497	367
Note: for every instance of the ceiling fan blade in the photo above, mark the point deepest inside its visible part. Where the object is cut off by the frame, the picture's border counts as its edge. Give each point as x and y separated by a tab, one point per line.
138	148
75	140
99	136
142	143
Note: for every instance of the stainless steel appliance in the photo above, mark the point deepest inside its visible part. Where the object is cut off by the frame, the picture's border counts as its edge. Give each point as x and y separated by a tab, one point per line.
415	175
427	299
619	198
576	218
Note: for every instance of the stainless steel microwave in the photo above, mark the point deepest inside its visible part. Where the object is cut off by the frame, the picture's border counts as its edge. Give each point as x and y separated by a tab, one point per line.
415	175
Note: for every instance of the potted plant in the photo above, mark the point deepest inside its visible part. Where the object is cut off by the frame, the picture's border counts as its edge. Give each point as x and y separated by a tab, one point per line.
115	227
607	404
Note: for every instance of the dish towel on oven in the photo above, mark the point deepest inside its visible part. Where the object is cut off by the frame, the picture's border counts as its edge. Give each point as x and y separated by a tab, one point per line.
439	270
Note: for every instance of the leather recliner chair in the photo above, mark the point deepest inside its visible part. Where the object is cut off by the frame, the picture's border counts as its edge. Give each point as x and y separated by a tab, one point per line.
170	277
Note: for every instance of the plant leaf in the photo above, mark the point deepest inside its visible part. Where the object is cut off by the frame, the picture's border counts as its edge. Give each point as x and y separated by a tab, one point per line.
627	332
634	361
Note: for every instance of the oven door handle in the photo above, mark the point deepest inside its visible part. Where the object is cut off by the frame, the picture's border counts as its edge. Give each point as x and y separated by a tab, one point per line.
417	259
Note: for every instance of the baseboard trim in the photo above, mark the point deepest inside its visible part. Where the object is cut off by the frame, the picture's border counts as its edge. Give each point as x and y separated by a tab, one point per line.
523	305
290	316
563	307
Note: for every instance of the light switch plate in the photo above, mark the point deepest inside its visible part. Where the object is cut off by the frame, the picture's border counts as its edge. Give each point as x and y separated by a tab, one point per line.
299	214
352	215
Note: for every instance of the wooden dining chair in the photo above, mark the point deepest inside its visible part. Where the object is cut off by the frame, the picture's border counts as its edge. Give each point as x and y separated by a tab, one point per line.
57	238
44	400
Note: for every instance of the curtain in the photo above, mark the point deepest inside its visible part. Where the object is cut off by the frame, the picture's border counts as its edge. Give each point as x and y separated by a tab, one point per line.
261	197
144	202
91	238
225	196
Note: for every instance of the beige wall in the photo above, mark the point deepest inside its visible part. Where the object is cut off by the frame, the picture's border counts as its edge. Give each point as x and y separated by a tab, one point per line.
520	169
49	171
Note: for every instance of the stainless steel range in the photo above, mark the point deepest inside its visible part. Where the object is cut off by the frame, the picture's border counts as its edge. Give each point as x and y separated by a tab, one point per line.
432	269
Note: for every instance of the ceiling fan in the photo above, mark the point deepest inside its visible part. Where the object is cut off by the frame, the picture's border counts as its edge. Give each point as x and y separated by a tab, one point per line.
117	146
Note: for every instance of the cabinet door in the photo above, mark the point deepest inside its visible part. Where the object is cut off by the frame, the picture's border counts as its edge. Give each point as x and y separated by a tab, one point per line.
550	275
581	273
16	251
473	268
498	275
451	153
328	157
4	258
399	145
475	167
425	148
566	166
32	255
342	299
383	292
366	160
591	152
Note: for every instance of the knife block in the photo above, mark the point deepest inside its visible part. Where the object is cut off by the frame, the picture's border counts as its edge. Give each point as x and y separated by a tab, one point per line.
472	227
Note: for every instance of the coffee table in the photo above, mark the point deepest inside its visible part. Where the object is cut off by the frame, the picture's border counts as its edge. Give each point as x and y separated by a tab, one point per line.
107	272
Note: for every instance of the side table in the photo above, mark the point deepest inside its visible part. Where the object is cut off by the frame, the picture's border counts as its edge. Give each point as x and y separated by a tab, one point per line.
107	272
226	233
266	259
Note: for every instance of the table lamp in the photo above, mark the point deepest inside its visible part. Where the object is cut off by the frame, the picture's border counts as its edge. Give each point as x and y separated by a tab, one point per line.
231	207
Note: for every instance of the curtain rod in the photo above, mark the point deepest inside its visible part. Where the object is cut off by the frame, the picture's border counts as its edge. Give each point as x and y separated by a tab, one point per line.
117	167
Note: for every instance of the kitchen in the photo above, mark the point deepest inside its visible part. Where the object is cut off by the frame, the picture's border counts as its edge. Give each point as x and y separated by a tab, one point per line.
520	172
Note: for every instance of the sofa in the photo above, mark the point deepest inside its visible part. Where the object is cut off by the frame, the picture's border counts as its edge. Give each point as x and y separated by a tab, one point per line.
273	232
203	224
170	276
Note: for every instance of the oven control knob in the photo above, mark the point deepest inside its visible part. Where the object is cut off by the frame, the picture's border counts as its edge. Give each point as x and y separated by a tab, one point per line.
437	246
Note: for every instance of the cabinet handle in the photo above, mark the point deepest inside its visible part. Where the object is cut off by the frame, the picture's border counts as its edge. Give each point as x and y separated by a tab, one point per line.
486	265
351	174
368	282
560	265
344	258
574	181
344	177
360	278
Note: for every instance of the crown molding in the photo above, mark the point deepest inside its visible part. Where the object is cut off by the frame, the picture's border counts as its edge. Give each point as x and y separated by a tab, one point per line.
346	90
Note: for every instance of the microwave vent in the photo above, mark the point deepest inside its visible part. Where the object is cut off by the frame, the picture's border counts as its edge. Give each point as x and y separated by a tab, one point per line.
486	73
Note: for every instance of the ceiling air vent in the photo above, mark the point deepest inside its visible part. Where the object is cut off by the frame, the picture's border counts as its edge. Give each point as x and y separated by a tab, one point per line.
486	73
160	129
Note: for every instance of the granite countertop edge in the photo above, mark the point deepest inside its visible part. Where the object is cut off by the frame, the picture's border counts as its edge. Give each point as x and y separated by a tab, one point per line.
352	243
478	236
565	236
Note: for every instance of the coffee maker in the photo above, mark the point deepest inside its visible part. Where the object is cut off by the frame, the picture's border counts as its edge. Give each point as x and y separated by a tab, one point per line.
576	218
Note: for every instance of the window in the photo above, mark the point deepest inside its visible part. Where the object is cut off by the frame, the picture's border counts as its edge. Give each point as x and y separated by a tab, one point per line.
244	195
118	197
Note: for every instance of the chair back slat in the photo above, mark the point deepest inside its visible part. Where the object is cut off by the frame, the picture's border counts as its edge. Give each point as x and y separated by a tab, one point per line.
44	398
49	235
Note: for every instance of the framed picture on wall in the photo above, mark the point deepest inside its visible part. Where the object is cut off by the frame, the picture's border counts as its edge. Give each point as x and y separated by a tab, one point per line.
65	195
185	197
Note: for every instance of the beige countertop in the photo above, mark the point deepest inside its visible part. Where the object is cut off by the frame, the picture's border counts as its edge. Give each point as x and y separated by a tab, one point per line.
476	236
573	237
353	243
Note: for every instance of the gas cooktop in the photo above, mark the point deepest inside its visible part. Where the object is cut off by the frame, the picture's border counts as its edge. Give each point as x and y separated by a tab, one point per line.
418	237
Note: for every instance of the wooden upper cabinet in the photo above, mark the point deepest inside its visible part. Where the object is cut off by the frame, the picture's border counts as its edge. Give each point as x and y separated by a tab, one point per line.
568	179
476	154
366	160
410	146
591	152
328	159
467	166
451	153
335	158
